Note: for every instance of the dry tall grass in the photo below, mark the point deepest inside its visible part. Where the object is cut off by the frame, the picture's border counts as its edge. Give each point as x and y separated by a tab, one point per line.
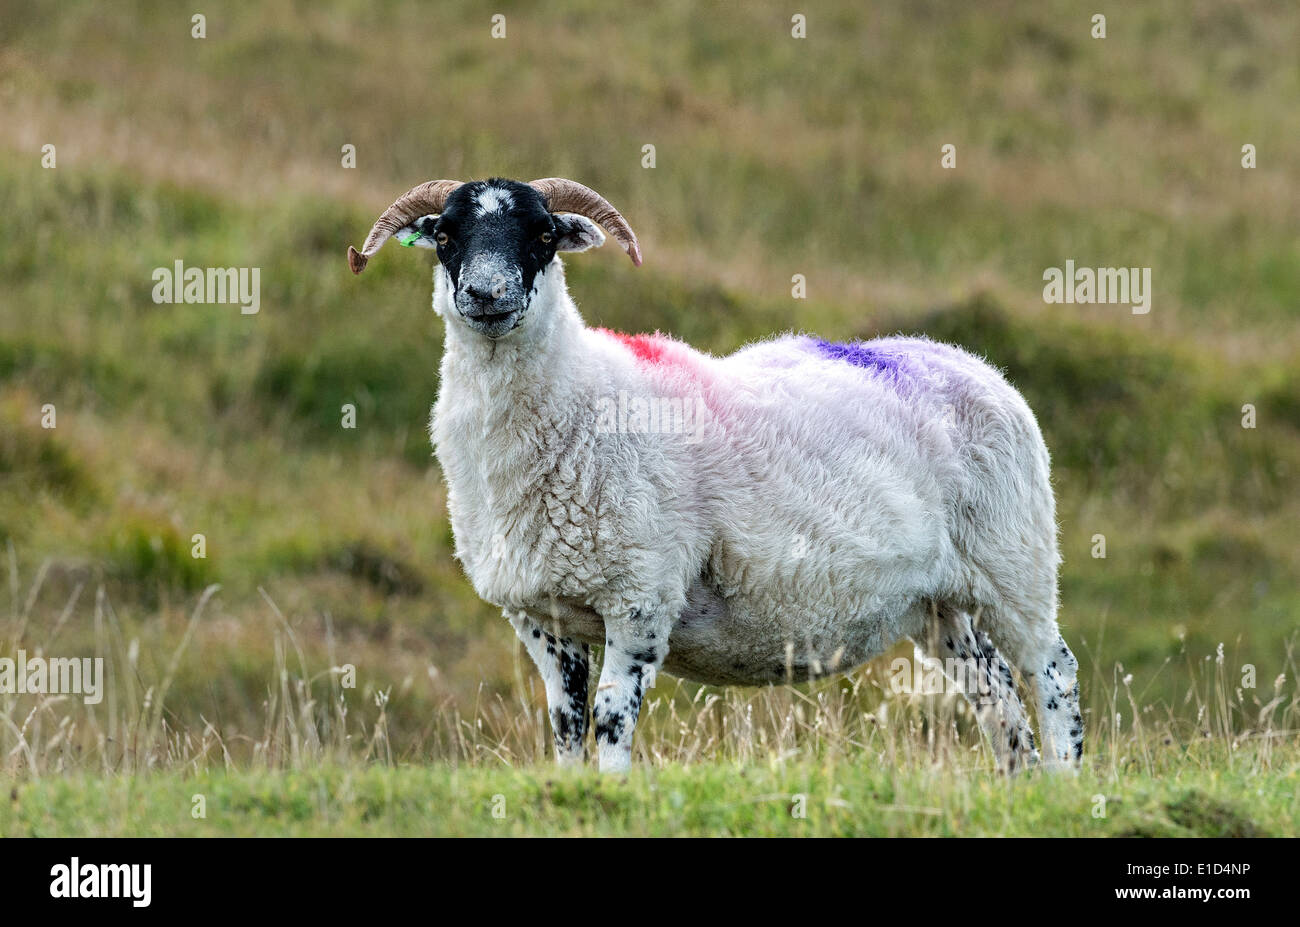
310	718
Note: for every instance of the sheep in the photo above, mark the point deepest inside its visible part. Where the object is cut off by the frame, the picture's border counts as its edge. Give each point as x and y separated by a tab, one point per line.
806	506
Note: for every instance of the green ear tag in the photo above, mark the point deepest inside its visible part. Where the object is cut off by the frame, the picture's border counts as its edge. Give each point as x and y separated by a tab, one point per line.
409	240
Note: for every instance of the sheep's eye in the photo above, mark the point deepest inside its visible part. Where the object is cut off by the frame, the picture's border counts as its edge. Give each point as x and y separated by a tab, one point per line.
441	238
546	238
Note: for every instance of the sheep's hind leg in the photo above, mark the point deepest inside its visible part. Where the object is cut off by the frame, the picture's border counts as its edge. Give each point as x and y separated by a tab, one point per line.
565	668
987	683
1059	719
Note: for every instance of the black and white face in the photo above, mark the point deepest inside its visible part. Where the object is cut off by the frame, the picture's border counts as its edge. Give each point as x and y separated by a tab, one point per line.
495	239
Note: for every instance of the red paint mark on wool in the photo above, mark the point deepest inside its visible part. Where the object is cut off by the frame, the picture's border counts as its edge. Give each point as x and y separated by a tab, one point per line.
647	348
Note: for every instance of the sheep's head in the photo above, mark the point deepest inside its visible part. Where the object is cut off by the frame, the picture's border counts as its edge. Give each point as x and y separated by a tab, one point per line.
494	237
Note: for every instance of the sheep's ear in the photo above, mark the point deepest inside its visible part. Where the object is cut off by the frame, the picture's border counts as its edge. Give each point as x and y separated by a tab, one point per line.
577	233
418	233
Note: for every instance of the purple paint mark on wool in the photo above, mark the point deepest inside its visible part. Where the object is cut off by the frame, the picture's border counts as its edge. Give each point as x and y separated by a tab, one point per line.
863	354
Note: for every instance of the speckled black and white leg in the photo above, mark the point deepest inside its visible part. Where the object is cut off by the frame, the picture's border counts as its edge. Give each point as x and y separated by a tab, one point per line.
564	667
1059	718
634	652
989	685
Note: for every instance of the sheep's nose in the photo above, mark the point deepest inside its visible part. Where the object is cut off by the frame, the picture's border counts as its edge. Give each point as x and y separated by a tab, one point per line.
480	293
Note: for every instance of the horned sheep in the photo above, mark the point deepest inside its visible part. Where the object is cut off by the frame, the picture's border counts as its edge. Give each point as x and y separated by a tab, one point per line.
798	507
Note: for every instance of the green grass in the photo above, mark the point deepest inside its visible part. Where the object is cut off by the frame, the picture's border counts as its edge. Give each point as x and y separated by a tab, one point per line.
847	797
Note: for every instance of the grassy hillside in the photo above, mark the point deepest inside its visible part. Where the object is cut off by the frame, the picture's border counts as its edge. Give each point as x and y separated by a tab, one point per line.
774	156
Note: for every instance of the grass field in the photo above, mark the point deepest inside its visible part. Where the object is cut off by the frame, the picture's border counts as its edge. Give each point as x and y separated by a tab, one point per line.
843	798
774	156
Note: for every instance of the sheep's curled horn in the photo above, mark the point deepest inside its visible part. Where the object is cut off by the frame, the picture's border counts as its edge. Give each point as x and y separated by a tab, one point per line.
418	201
561	195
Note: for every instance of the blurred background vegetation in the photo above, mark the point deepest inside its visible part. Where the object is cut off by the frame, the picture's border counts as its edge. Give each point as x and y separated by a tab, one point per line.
774	156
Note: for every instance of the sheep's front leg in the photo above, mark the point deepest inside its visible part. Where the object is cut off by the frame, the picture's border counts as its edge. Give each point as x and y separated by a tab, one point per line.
634	652
564	666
